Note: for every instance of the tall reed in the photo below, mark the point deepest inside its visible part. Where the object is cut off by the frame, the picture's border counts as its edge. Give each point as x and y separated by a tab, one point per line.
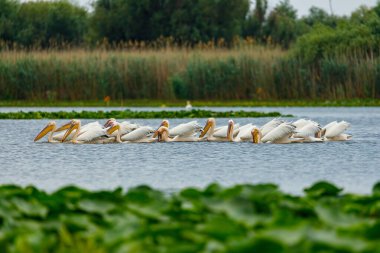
178	73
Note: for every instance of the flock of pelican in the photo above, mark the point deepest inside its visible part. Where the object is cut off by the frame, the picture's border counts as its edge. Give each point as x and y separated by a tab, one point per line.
275	131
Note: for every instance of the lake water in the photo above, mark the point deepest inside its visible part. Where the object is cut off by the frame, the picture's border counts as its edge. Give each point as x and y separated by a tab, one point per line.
354	165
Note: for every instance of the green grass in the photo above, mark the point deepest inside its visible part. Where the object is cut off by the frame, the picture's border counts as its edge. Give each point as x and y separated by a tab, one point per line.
198	103
242	218
137	114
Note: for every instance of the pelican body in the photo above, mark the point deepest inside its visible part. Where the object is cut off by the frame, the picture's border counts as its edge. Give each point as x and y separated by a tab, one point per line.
222	134
92	133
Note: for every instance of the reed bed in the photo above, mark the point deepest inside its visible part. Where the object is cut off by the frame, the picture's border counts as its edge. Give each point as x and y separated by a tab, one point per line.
246	73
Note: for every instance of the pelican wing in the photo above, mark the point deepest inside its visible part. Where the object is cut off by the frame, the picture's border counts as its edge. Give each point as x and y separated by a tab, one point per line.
90	125
186	129
280	132
308	130
245	132
270	126
331	124
222	131
125	128
337	129
300	123
138	134
91	133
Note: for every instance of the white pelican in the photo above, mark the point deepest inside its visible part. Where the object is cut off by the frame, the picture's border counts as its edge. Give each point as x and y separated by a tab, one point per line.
265	129
182	132
141	134
245	133
335	131
163	134
59	136
51	128
90	133
211	133
308	131
223	134
123	128
300	123
280	135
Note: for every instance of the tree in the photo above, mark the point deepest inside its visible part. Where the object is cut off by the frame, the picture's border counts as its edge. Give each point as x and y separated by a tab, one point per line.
43	23
320	16
8	13
255	20
281	25
185	20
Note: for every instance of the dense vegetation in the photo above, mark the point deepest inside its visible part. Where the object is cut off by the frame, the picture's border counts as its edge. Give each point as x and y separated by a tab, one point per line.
196	103
239	74
242	218
199	50
137	114
36	24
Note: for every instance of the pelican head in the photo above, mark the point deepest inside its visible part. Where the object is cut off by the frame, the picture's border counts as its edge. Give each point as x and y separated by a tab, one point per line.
109	122
164	123
162	133
74	125
209	123
320	133
50	127
256	136
113	126
64	127
230	130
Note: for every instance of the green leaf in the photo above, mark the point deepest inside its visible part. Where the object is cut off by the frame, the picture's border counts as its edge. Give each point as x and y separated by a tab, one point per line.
95	206
30	208
376	189
322	189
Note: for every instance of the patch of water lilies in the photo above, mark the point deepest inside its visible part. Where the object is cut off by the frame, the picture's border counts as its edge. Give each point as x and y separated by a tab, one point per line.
242	218
136	114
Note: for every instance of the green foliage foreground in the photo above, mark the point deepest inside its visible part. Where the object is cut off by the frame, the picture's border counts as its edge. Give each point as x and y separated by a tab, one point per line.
137	114
243	218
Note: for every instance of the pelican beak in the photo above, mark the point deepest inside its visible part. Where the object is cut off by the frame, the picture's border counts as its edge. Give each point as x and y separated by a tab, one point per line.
113	129
255	136
205	129
73	126
230	130
164	123
45	131
64	127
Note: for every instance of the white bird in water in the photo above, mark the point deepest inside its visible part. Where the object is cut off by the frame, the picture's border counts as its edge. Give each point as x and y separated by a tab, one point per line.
51	128
225	133
335	131
245	133
124	127
280	135
265	129
309	131
90	133
185	132
142	134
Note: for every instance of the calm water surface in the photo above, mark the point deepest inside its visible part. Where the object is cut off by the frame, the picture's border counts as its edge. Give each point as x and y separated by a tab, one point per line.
354	165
